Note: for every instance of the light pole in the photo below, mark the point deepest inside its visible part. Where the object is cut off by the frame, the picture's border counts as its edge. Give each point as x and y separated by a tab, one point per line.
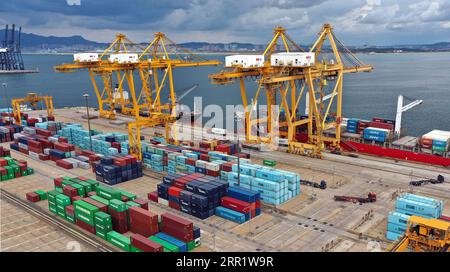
239	149
86	96
5	85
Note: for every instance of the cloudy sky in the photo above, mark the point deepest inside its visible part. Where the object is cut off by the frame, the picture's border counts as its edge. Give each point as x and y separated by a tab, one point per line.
356	22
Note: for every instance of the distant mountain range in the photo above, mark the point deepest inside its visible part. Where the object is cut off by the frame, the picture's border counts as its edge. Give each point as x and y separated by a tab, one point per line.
37	43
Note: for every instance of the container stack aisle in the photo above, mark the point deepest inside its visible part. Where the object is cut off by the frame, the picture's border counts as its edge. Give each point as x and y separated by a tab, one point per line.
407	205
118	217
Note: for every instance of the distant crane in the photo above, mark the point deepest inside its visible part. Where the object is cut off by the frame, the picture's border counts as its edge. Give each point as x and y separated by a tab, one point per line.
400	109
10	52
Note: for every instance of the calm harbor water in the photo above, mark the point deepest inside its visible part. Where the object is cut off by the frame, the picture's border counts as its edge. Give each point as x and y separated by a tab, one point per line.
416	75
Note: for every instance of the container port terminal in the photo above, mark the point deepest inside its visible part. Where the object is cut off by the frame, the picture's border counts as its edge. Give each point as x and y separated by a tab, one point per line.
352	208
311	222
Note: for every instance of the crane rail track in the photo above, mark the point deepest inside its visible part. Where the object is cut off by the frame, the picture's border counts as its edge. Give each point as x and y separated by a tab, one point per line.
73	232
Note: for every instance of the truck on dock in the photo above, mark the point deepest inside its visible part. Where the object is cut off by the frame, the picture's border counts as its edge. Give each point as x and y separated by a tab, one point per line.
371	197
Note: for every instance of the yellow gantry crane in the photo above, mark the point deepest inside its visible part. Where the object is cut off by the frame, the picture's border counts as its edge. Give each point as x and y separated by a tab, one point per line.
106	68
32	99
424	235
156	64
281	75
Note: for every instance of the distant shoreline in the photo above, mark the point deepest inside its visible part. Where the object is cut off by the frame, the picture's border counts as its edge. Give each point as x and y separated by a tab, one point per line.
250	53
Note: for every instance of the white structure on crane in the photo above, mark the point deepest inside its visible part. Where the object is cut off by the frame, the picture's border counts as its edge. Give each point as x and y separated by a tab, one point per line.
401	109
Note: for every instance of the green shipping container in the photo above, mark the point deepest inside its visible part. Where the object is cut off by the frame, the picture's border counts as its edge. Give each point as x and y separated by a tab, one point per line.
103	228
42	194
85	208
130	204
126	194
102	218
80	189
66	178
117	205
167	246
269	163
100	199
59	189
5	177
101	234
108	193
11	176
61	213
190	245
84	217
30	171
87	186
93	183
51	195
24	173
70	219
134	249
67	182
119	240
62	200
52	209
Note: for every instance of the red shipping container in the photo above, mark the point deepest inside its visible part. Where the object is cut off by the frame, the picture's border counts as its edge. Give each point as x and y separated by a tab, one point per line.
175	191
58	181
87	153
24	151
212	173
62	147
3	162
120	162
102	207
174	205
18	174
117	215
3	171
44	157
258	204
70	191
120	225
382	125
377	119
153	196
33	197
63	140
85	226
91	193
142	202
143	221
75	198
235	204
70	210
63	164
204	157
184	236
190	161
144	244
170	220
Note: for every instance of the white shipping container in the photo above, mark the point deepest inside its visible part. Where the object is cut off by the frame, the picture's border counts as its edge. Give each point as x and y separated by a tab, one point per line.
33	155
245	61
23	146
212	166
294	59
200	163
163	201
124	58
85	57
